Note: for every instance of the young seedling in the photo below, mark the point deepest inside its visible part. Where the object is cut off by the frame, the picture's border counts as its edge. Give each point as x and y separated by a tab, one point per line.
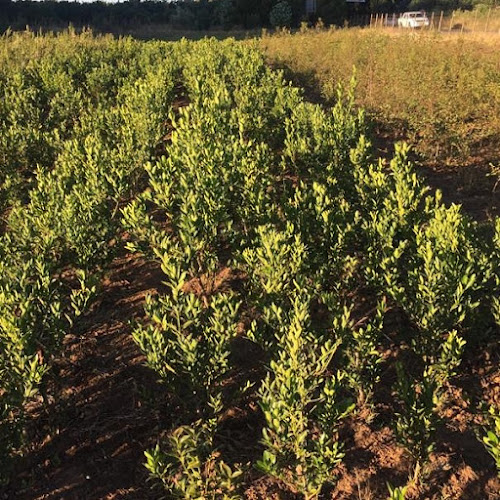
302	407
491	439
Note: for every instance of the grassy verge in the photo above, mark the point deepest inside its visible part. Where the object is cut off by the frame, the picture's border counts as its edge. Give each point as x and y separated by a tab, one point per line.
440	92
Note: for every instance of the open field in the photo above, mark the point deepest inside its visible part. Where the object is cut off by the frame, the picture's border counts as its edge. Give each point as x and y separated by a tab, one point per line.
215	286
440	90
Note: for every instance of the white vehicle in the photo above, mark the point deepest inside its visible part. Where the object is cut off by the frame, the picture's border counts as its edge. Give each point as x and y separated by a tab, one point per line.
417	19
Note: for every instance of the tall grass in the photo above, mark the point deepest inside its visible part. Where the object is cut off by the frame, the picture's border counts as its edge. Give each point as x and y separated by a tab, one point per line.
440	92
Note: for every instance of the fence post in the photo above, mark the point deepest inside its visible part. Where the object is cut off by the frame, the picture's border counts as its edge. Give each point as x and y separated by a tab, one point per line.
371	17
431	24
475	21
440	21
488	20
451	21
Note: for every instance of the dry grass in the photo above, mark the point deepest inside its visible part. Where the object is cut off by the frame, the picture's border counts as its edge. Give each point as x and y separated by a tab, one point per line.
440	91
479	20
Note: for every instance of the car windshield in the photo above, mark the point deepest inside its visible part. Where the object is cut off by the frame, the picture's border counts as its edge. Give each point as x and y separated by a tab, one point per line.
417	14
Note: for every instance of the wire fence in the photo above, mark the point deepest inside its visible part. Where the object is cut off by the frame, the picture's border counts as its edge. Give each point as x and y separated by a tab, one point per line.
459	21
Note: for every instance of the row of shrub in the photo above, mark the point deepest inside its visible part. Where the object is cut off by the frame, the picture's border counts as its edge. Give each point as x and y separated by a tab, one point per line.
321	242
285	196
79	116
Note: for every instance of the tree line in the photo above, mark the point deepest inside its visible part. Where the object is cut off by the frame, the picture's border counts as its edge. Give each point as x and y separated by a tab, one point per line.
204	14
